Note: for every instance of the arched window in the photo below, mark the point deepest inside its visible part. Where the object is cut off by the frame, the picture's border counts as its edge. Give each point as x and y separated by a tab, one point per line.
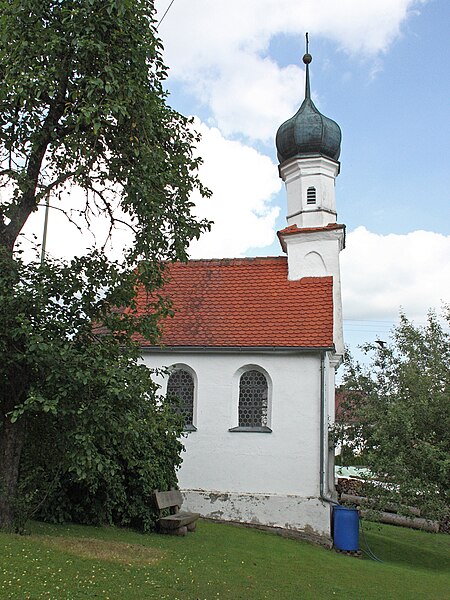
180	391
253	399
311	195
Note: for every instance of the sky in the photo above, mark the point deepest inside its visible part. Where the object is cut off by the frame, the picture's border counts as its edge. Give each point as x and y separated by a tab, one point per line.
380	70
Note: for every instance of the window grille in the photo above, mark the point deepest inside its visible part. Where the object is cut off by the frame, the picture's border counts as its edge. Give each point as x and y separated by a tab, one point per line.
311	195
253	394
180	392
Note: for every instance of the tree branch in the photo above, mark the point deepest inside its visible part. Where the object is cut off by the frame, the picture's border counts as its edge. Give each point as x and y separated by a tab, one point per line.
10	172
68	217
58	181
28	201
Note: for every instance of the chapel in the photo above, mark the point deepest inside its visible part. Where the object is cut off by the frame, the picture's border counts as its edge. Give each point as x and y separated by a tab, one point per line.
252	350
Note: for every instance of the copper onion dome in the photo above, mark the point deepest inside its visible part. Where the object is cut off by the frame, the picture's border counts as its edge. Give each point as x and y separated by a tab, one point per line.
308	131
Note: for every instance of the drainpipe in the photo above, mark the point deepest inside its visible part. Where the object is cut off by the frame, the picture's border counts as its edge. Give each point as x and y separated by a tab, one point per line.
324	492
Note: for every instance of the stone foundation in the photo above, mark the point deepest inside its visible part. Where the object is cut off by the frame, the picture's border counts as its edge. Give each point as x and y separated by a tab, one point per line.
304	517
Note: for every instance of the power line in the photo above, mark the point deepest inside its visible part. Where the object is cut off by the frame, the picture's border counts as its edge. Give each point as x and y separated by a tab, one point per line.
349	323
366	321
162	18
350	330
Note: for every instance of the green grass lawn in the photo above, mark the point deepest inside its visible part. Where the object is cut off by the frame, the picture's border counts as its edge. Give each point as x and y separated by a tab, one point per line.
218	561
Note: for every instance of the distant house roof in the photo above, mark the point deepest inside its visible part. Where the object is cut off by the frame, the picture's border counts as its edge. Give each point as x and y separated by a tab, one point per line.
346	404
246	302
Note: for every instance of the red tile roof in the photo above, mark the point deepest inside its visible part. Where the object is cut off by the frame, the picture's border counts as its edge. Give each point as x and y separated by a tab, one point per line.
246	302
294	229
291	229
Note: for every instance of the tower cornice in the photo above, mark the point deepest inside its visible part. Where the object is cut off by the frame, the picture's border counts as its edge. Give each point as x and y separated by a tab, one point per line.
312	234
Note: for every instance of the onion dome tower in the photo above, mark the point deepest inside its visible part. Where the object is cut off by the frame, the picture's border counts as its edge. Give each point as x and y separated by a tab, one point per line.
308	146
308	132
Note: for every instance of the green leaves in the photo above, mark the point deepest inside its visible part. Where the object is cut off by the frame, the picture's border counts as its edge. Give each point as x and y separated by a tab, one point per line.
82	102
82	86
398	408
71	374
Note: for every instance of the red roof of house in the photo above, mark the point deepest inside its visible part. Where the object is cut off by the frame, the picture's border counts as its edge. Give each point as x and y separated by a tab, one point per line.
246	302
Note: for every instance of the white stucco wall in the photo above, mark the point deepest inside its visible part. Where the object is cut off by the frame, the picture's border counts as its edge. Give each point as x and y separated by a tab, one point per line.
301	173
267	478
316	254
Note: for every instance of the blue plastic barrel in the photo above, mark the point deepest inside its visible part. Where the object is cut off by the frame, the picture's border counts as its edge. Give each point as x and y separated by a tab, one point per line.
346	528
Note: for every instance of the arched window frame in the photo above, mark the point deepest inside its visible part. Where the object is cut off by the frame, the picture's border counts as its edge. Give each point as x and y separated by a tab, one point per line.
266	428
182	367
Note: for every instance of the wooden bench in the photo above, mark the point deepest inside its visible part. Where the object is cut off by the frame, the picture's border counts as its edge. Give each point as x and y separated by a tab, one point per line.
178	522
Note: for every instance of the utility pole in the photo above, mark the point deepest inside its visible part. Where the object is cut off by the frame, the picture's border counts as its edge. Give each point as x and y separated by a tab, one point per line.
44	235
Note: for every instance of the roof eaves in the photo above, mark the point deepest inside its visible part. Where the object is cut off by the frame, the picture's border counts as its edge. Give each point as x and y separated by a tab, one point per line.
240	349
295	230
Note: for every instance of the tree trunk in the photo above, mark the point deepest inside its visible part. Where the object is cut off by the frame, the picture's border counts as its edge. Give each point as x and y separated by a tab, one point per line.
362	500
412	522
12	437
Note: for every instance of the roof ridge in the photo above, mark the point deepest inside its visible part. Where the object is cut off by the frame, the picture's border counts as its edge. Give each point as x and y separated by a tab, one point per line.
227	260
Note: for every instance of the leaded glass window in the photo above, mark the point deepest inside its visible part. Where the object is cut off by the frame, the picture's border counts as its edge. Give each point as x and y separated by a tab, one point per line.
253	399
180	391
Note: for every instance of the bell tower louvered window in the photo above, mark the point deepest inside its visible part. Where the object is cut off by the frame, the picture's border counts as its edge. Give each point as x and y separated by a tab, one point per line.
180	392
311	195
253	399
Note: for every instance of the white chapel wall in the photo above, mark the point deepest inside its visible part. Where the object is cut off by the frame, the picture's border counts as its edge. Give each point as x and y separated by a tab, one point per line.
284	461
272	478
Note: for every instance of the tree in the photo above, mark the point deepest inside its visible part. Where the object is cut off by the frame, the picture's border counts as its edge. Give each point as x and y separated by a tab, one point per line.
82	103
398	414
98	439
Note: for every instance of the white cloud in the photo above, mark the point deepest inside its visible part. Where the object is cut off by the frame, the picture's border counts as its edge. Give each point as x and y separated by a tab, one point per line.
243	182
64	238
381	273
219	51
256	99
201	33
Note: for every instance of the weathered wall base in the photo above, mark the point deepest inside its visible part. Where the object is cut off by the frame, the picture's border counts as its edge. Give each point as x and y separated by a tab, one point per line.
309	517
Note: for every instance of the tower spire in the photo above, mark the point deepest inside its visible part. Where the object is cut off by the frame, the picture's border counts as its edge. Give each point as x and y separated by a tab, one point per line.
307	58
308	132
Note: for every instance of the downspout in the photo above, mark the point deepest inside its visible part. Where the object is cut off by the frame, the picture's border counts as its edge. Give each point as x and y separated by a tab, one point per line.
324	492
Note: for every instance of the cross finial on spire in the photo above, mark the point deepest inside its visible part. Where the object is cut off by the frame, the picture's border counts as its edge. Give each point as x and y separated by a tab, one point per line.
307	58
